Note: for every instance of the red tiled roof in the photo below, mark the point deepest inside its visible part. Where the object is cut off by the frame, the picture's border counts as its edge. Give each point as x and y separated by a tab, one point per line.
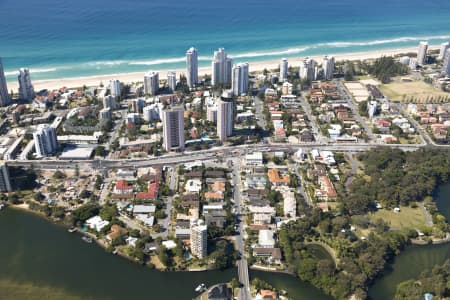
153	189
123	185
212	195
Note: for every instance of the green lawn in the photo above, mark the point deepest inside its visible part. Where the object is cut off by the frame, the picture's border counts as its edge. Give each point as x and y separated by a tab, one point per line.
407	217
417	91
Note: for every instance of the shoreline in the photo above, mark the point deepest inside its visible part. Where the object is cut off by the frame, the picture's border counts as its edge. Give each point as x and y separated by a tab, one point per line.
94	80
99	242
26	208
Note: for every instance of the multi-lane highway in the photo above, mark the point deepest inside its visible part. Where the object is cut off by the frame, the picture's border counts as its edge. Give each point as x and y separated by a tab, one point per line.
171	159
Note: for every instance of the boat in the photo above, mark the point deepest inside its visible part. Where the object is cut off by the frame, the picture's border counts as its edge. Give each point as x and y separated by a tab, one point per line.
1	206
115	252
200	288
72	229
87	239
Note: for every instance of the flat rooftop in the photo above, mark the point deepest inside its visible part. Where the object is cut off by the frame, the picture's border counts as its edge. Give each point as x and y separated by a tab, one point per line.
77	153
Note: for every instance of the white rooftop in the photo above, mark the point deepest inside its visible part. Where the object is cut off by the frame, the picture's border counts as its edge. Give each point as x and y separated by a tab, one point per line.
77	153
193	185
96	223
169	244
148	221
144	209
265	238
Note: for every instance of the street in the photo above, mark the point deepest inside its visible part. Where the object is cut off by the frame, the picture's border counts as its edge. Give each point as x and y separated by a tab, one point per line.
244	292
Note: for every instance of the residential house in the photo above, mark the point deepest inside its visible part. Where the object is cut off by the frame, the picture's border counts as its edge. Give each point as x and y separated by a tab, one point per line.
327	190
267	295
262	219
216	218
122	187
96	223
220	292
273	254
193	185
278	179
116	232
266	239
151	194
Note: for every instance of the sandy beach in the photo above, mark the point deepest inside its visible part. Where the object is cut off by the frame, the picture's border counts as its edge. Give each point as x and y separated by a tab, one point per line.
254	66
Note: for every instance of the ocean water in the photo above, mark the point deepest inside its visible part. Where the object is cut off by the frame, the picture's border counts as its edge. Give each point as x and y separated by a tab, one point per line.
56	38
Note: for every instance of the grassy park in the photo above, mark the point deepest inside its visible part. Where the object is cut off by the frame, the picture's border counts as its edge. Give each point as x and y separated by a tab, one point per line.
413	91
408	217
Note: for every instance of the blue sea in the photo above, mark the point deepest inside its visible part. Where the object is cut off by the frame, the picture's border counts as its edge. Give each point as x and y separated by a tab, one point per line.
73	38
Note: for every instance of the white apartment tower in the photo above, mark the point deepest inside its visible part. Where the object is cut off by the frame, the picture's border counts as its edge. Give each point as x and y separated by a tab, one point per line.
192	67
199	239
151	83
172	80
328	67
114	86
444	48
413	63
109	102
422	53
284	70
211	113
4	98
446	65
239	82
221	68
225	116
105	114
5	183
173	128
26	90
45	140
308	69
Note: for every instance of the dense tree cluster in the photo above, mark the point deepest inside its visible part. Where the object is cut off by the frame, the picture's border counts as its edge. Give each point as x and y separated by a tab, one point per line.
360	261
394	177
386	67
84	212
435	282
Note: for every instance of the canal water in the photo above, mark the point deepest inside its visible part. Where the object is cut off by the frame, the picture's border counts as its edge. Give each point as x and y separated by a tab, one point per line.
41	260
415	259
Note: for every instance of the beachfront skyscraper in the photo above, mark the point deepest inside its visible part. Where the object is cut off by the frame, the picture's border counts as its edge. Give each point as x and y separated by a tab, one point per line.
443	50
239	80
26	90
308	69
115	88
173	128
151	83
45	141
225	116
192	67
5	183
172	80
109	102
4	98
422	53
221	68
328	67
284	69
199	239
446	65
